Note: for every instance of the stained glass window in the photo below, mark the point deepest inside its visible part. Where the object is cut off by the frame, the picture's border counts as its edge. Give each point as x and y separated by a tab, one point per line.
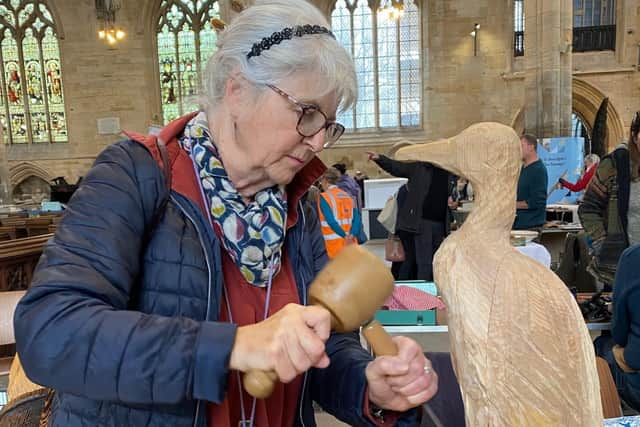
387	57
185	40
31	91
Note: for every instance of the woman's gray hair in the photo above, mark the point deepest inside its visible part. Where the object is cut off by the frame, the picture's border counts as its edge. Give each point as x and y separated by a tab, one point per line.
321	56
593	158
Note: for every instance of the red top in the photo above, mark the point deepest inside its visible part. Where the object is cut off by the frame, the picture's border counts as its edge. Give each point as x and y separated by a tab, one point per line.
247	307
582	182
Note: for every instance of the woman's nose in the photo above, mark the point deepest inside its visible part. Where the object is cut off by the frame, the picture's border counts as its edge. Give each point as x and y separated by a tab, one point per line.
316	142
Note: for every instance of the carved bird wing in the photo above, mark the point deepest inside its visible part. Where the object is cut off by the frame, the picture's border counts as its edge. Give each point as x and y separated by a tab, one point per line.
540	352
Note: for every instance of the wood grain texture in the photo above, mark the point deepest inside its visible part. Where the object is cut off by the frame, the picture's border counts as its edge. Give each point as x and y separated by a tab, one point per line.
520	347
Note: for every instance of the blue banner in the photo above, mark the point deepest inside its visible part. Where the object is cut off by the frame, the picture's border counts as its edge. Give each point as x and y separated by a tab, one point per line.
564	158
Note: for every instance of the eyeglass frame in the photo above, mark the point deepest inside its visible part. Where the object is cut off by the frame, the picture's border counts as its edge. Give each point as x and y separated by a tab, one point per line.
306	107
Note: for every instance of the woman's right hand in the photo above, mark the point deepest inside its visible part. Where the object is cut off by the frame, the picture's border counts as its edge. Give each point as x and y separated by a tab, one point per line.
289	342
372	156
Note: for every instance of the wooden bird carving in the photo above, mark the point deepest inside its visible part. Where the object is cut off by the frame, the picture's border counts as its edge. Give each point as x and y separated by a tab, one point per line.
520	347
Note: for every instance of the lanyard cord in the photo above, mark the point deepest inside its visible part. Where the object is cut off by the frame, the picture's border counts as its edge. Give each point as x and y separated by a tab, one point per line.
244	421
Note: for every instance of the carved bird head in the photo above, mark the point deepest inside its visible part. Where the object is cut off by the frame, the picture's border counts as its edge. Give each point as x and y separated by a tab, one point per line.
481	153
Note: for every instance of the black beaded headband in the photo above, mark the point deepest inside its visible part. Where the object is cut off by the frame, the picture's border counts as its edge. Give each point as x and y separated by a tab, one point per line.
286	34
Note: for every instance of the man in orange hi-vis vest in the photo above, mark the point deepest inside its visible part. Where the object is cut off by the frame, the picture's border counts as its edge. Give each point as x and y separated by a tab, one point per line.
340	220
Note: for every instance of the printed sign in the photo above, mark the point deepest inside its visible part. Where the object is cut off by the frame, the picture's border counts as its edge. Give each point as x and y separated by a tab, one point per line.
563	158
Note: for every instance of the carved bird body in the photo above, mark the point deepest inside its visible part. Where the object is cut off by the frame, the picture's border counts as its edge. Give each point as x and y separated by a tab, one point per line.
520	347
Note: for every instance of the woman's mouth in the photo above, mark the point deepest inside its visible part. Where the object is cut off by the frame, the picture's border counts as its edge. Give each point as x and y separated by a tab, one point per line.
296	159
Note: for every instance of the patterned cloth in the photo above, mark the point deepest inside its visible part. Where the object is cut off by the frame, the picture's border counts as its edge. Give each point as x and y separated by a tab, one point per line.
622	422
409	298
252	233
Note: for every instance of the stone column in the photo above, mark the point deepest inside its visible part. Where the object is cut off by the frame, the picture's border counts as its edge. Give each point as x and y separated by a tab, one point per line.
5	184
547	50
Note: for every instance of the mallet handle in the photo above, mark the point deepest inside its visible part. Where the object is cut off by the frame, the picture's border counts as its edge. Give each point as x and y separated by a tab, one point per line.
379	340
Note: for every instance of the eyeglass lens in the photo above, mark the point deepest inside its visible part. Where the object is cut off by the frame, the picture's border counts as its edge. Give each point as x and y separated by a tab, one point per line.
312	121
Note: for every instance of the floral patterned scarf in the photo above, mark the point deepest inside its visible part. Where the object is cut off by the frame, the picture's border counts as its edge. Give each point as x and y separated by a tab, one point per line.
252	233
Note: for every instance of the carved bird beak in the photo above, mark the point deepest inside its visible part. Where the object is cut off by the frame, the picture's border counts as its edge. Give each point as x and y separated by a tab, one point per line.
442	153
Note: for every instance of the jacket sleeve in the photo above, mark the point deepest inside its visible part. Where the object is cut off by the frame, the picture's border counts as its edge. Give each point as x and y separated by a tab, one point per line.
346	375
356	224
594	205
395	167
582	183
626	300
74	331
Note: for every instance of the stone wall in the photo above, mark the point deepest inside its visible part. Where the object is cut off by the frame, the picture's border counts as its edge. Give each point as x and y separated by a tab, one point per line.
459	88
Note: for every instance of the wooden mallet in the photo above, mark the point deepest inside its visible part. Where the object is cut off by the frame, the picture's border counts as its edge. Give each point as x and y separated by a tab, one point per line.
352	286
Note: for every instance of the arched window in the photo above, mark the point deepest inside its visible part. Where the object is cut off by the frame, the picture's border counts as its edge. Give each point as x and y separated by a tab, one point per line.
31	91
186	40
580	129
387	54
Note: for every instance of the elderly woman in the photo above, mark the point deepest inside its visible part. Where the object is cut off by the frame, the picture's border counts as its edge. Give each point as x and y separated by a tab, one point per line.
161	284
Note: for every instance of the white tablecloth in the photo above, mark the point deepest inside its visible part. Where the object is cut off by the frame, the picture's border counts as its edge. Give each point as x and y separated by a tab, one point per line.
537	252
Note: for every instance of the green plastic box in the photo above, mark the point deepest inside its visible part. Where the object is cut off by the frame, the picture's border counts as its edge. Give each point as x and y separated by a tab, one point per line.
406	317
410	317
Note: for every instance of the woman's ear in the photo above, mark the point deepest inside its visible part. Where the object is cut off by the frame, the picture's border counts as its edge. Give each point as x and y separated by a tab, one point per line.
237	93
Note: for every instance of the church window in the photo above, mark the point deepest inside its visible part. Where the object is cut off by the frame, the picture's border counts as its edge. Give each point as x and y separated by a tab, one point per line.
386	50
518	28
31	89
185	41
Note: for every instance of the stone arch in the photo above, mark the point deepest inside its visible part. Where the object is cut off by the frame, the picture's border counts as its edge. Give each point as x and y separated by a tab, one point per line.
586	101
24	170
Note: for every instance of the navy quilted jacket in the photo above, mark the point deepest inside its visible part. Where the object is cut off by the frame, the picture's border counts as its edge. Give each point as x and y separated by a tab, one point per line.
124	326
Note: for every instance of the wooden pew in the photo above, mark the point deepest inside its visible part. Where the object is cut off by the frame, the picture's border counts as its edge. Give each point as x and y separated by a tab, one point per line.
38	225
18	259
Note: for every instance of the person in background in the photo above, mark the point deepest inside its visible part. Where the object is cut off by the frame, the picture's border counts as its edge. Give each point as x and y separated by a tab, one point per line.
360	179
610	208
621	348
162	284
424	214
352	187
348	184
461	192
340	220
591	162
406	269
531	202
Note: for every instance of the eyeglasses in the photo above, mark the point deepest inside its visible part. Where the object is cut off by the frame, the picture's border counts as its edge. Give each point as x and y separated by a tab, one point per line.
313	120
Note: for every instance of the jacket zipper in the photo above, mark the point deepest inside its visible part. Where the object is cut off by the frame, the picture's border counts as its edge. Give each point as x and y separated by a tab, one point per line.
304	302
206	258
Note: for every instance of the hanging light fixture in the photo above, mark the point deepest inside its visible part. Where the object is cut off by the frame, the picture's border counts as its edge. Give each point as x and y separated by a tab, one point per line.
388	11
107	28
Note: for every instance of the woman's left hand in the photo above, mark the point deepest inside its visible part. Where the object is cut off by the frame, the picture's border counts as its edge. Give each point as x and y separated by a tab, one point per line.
401	382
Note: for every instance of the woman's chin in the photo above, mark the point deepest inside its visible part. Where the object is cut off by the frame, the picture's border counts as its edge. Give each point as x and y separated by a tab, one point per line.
282	176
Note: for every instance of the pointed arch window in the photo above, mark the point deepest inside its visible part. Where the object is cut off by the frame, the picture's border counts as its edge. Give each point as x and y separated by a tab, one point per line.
185	41
387	55
31	90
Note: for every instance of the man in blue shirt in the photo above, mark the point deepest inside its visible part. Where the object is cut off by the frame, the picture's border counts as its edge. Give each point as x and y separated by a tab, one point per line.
531	201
